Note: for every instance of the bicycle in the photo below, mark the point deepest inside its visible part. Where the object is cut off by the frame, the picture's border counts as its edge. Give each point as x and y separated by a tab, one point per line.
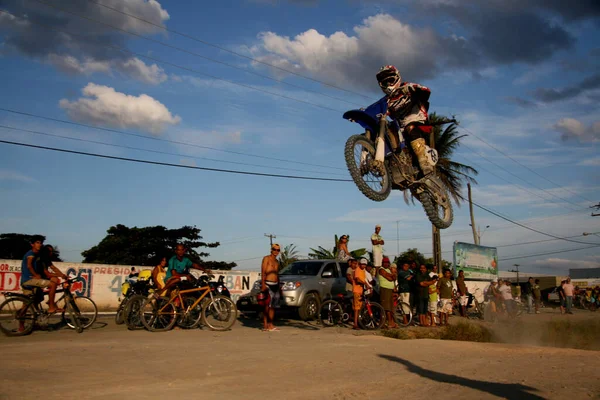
187	307
26	311
371	316
402	310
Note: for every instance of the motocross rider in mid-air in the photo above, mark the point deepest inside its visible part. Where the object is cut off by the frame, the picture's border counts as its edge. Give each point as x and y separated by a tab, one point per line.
408	105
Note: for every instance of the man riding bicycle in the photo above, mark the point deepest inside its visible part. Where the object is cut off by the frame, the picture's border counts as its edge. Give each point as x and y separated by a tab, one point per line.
33	274
408	105
179	267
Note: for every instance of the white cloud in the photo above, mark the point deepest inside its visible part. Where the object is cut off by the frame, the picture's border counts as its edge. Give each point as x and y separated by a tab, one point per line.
507	195
8	175
104	106
344	59
565	264
572	128
591	162
133	67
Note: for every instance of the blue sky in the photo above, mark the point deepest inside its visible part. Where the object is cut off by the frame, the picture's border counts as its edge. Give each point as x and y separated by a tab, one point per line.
521	76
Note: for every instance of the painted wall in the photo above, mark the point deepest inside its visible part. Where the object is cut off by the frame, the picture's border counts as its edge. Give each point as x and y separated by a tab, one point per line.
103	282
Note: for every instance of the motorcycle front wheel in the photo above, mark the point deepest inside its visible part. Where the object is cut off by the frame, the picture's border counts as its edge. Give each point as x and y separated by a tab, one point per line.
360	155
436	204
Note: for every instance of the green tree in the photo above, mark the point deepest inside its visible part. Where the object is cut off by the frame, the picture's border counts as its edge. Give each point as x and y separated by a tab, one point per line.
13	246
452	173
145	246
321	253
410	255
288	256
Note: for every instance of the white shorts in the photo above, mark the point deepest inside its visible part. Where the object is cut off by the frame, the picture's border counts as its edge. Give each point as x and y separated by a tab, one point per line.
377	258
432	308
404	297
464	300
446	306
417	114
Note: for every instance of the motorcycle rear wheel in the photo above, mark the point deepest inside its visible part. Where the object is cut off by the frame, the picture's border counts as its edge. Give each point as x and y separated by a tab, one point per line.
440	214
376	188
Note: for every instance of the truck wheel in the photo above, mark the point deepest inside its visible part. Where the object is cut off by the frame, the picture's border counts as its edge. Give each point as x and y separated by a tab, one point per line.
310	308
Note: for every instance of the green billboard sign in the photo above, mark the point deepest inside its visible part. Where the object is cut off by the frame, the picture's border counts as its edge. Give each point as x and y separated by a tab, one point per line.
479	263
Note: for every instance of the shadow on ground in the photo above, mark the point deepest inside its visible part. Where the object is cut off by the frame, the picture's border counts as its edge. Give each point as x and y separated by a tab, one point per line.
511	391
255	322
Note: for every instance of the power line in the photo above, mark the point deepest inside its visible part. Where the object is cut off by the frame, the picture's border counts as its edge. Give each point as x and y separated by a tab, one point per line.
522	179
262	174
546	254
509	182
158	151
522	165
228	50
310	178
63	121
158	60
195	54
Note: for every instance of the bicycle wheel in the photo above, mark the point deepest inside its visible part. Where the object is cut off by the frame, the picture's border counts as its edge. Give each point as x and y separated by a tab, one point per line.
219	314
371	320
131	313
190	316
86	310
158	315
17	316
331	313
403	311
120	316
73	315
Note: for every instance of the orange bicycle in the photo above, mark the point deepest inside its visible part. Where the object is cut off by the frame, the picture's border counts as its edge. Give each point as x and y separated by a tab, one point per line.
187	307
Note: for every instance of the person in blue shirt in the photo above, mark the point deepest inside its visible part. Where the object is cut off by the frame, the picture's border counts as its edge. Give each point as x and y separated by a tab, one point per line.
179	266
32	273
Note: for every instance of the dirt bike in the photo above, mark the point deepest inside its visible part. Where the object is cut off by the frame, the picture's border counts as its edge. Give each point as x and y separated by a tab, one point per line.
380	160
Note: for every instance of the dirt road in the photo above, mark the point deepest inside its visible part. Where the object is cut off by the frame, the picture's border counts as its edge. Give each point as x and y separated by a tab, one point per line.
301	361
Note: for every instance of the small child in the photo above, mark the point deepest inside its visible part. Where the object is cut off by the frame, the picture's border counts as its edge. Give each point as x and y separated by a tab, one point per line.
433	299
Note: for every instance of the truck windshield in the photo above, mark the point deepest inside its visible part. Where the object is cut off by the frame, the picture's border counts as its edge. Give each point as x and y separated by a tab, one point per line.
302	268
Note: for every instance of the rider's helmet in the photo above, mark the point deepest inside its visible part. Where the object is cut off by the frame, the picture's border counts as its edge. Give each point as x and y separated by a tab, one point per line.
389	79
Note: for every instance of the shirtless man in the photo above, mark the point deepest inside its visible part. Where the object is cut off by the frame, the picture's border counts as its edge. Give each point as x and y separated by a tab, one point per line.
270	282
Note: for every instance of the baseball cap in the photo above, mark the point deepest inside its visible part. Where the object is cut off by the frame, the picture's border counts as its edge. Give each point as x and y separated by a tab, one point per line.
377	226
364	261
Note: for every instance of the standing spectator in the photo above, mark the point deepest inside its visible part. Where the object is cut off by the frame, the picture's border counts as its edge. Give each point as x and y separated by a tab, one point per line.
387	277
405	277
349	277
433	297
270	283
561	296
568	288
444	286
369	272
343	252
492	294
463	292
506	294
414	286
377	242
537	295
528	293
423	281
358	284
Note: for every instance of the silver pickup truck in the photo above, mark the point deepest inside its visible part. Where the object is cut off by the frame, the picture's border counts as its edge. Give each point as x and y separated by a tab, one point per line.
306	284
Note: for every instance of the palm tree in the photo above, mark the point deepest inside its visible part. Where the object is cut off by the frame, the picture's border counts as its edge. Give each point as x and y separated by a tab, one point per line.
288	256
321	253
452	174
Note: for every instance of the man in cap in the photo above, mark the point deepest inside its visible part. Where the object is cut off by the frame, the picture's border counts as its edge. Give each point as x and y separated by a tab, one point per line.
377	242
270	283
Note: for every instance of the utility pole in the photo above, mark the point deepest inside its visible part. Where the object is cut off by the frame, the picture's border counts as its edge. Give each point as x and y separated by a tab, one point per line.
271	237
398	238
475	237
517	271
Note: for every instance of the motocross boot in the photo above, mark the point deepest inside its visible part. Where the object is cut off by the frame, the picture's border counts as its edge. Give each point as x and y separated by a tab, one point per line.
418	146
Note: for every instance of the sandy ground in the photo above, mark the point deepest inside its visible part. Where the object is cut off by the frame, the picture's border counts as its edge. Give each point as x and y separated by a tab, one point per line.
302	361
